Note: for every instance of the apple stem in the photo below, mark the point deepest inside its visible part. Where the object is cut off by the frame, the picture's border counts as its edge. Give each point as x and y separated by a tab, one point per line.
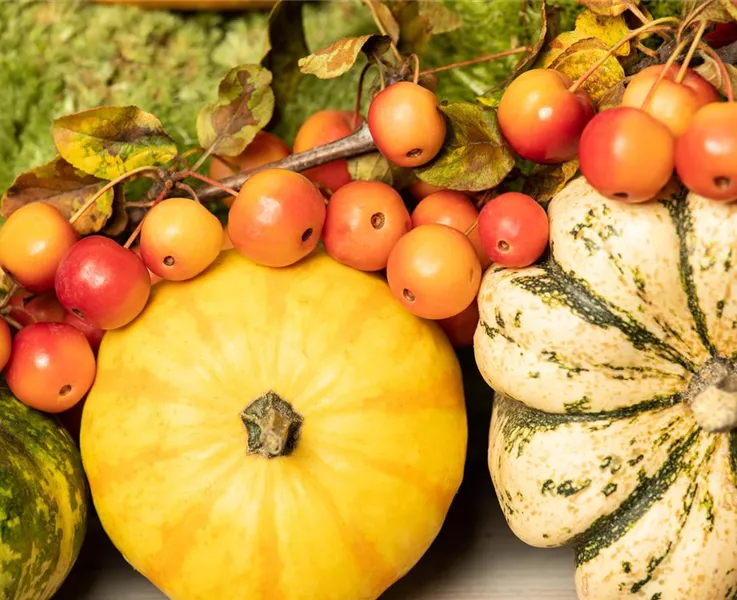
692	15
650	27
183	186
359	95
8	295
217	184
729	92
358	143
12	322
162	194
474	61
663	72
416	59
472	228
692	49
86	206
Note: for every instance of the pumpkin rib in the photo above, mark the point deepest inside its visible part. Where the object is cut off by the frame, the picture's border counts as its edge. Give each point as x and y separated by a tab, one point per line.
681	215
573	292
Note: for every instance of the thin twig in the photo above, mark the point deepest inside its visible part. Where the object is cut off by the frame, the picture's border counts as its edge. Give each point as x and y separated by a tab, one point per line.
355	144
472	228
183	186
75	217
359	95
473	61
212	182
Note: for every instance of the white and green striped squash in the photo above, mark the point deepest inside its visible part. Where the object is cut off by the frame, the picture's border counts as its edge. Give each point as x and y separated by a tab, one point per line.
613	365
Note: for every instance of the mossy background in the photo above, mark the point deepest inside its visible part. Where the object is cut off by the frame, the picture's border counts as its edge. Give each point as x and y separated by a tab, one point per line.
61	57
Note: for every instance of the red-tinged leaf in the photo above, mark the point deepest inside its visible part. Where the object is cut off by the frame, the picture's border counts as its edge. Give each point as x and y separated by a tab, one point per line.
340	56
475	156
109	141
60	184
244	106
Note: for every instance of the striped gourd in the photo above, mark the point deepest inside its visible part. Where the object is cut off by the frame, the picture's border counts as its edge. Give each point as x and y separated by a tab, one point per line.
616	394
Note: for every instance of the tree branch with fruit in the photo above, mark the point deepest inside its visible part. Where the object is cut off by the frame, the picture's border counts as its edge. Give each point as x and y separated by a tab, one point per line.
427	191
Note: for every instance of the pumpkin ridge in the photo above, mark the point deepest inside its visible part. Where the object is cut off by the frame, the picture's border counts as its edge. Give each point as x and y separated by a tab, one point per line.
609	528
680	213
733	459
556	285
520	419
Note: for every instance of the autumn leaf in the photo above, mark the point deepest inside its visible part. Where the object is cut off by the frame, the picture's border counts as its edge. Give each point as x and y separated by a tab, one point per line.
371	167
340	56
62	185
285	45
612	98
244	106
118	221
387	20
109	141
607	8
608	29
474	156
580	56
545	181
716	11
710	71
438	18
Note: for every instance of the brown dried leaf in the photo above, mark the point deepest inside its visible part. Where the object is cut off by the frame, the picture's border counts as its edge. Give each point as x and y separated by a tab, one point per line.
340	56
387	19
612	98
60	184
717	11
607	8
438	18
575	60
710	71
545	181
244	106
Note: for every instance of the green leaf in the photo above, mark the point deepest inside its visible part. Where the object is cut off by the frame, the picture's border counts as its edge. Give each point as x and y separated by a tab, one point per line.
575	60
340	56
710	71
244	106
109	141
474	156
717	11
607	8
371	167
285	45
60	184
545	181
493	96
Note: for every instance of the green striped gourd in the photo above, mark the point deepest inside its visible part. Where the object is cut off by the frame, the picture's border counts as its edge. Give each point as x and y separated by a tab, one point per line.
43	502
613	363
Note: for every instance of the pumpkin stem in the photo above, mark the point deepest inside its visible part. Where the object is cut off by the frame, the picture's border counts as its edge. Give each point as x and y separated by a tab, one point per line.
712	396
272	425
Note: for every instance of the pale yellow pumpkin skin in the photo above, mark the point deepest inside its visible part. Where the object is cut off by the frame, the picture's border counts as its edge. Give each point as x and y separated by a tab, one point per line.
378	461
593	440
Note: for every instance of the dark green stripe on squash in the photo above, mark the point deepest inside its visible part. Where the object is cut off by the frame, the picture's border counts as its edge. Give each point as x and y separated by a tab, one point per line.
680	213
555	287
521	422
34	449
607	529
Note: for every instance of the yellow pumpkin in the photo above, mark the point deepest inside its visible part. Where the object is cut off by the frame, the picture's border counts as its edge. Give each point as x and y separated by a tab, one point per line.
274	434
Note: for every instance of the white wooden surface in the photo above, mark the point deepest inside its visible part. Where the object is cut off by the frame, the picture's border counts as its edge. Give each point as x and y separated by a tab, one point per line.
475	557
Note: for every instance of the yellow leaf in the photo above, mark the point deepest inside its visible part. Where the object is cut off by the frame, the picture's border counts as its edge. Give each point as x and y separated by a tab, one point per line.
609	8
580	57
607	29
338	58
557	46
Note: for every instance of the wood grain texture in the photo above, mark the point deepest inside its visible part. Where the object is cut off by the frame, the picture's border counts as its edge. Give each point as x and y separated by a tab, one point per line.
476	557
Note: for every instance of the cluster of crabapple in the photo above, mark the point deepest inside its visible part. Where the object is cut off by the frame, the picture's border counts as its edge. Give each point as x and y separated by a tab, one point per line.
72	289
670	121
432	257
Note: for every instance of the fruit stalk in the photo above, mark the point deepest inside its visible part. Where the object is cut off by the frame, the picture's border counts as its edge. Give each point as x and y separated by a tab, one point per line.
476	60
666	68
689	55
359	142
